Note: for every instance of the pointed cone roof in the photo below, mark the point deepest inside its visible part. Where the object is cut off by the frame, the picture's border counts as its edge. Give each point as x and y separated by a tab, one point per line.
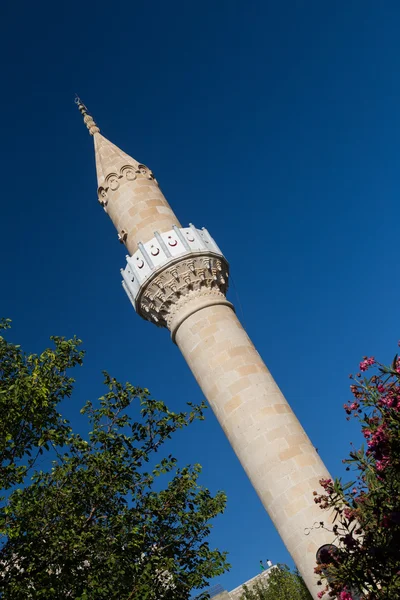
109	158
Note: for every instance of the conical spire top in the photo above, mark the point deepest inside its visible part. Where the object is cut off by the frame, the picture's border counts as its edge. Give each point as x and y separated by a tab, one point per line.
88	119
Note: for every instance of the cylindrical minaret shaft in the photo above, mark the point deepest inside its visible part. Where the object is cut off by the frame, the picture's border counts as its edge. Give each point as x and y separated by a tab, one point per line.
265	434
177	278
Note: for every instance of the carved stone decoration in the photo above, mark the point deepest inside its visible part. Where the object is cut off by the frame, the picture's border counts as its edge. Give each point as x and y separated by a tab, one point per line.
112	181
122	236
102	197
146	172
175	274
177	282
129	172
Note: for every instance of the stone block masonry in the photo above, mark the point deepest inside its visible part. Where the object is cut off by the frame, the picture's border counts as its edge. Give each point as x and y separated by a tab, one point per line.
130	195
269	441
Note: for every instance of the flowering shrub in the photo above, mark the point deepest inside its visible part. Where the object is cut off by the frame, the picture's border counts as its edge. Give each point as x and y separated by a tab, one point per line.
365	561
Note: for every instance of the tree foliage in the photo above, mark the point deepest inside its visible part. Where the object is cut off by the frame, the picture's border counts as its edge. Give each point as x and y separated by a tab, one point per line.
98	523
282	584
366	561
31	387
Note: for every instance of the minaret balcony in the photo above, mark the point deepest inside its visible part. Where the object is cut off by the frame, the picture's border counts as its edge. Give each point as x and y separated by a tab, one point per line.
170	266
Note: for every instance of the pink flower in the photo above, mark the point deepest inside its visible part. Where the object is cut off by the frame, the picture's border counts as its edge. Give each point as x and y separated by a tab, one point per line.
351	407
344	595
327	484
389	401
383	463
367	363
348	513
320	594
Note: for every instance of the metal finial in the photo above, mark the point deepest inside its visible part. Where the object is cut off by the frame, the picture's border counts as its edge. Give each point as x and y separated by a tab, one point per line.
88	120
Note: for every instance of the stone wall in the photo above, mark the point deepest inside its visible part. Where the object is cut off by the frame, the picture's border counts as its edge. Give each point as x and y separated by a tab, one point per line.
238	591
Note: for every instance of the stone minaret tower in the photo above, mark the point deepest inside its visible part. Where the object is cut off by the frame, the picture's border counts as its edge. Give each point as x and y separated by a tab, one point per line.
176	277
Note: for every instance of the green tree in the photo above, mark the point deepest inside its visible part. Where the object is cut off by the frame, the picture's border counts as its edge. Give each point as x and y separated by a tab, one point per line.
365	562
31	387
98	522
282	584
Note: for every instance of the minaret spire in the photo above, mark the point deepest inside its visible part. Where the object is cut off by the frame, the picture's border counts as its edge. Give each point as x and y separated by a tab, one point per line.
127	190
88	119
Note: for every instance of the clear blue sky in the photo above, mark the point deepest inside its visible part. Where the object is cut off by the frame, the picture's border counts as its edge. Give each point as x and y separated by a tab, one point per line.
276	125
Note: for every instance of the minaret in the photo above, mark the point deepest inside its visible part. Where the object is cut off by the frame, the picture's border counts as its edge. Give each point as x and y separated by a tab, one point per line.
177	277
